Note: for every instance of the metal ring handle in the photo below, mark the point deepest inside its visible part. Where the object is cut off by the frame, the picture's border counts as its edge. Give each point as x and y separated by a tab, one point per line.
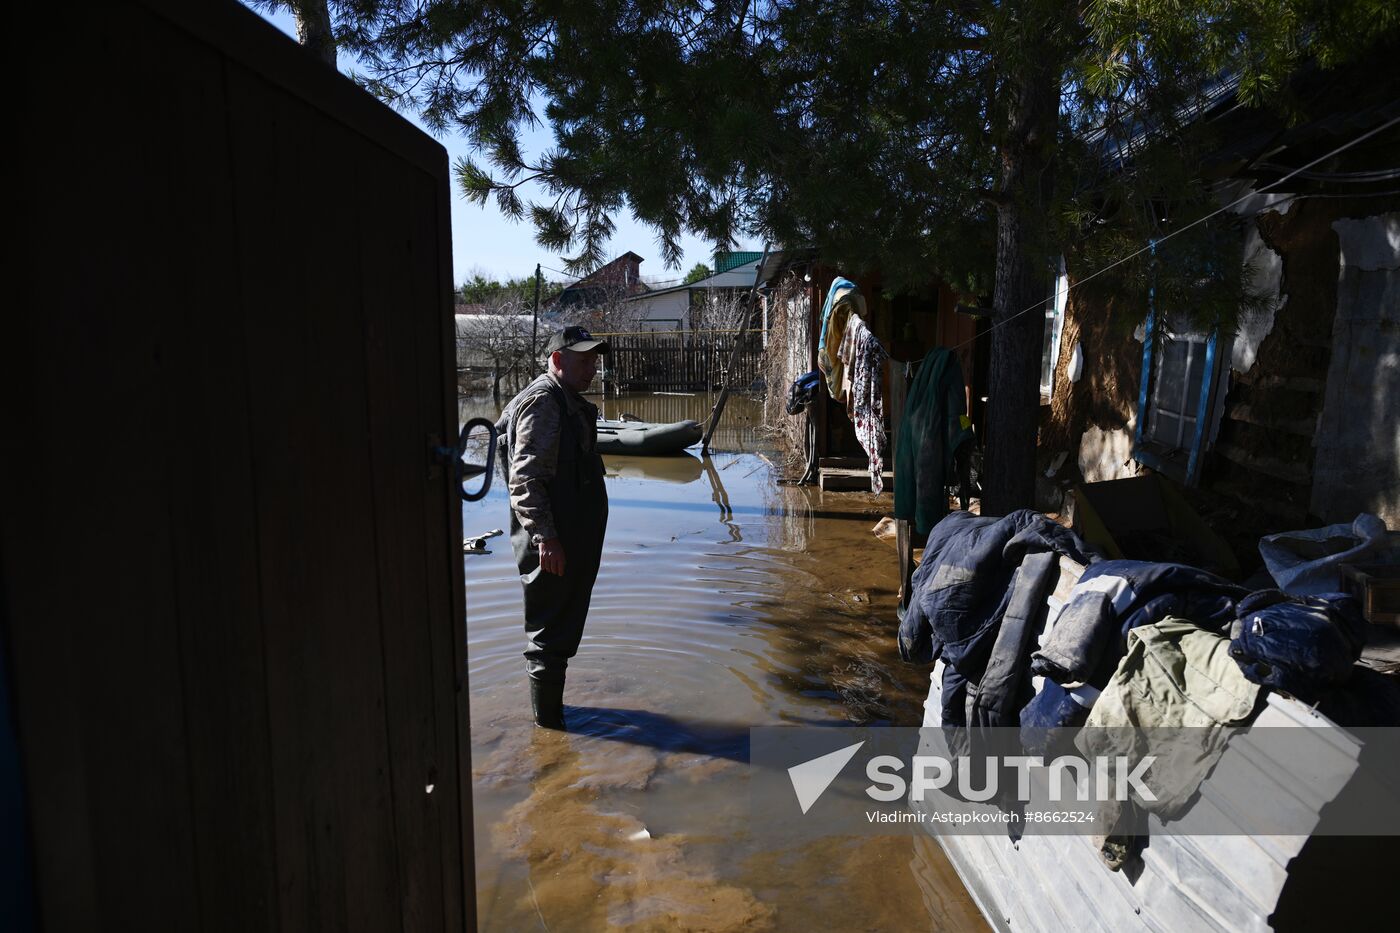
465	470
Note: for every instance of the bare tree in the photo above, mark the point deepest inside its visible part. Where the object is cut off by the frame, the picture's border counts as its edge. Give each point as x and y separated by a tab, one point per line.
497	340
612	313
720	309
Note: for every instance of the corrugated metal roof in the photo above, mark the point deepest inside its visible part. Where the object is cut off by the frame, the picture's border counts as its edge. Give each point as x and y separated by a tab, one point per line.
726	261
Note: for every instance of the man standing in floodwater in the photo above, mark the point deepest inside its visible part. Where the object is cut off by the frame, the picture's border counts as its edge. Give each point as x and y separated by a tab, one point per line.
558	510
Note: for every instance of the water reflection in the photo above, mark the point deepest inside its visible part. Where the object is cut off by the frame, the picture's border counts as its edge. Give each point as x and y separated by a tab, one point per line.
684	467
725	601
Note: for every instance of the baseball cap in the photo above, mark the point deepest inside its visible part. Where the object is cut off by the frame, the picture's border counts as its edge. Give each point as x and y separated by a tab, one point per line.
575	338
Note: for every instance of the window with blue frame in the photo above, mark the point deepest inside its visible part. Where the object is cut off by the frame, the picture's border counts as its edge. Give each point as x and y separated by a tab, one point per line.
1175	399
1054	322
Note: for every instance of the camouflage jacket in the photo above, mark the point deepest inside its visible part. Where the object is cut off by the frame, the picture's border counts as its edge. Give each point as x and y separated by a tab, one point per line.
533	455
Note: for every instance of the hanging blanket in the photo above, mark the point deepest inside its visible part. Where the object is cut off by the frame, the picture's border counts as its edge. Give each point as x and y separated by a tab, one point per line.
864	361
842	301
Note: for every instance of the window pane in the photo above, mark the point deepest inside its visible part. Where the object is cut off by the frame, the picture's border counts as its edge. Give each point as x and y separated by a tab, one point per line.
1165	427
1047	349
1197	375
1171	375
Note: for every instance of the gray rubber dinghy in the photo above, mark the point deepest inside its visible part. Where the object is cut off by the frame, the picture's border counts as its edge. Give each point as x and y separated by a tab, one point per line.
644	439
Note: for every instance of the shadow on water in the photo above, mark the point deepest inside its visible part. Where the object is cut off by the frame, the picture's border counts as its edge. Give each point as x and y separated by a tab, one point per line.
671	734
662	732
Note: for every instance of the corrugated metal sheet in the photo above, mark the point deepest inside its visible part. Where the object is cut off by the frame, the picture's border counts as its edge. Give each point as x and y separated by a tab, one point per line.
1225	882
726	261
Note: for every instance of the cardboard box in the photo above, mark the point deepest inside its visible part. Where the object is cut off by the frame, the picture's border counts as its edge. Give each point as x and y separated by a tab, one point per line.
1377	586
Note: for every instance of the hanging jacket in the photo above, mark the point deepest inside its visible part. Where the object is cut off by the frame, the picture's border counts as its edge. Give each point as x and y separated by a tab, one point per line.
930	432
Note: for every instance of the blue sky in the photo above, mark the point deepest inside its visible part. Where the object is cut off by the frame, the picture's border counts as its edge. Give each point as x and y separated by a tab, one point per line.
485	241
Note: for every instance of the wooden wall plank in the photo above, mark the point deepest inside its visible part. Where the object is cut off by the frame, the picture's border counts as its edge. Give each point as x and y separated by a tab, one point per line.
213	505
93	593
399	425
438	391
431	279
298	241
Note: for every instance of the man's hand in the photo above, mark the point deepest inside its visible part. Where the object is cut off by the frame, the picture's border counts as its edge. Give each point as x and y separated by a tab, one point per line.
552	556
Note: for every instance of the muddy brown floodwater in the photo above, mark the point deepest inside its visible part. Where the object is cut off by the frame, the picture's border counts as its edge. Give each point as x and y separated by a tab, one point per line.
725	601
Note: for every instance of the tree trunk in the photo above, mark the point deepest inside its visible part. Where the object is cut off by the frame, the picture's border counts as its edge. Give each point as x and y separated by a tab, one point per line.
1023	280
313	19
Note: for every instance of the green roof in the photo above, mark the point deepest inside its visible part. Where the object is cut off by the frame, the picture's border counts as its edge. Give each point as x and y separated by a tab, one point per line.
726	261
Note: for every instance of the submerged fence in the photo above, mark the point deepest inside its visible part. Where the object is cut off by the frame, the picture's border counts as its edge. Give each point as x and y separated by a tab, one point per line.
681	361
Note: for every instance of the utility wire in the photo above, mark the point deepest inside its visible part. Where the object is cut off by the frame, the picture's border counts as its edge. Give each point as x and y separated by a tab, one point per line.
1152	244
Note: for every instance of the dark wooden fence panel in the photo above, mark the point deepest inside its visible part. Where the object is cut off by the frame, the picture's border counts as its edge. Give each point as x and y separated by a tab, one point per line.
681	361
231	590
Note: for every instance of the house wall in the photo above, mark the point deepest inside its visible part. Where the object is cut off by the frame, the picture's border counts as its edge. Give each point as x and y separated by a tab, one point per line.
740	276
664	311
1253	327
1357	468
619	278
1305	426
1093	419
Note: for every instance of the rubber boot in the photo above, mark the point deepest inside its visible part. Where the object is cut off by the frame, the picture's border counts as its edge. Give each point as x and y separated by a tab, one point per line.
547	701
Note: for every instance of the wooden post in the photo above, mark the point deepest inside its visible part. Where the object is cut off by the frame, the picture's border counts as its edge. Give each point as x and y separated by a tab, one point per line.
535	327
904	544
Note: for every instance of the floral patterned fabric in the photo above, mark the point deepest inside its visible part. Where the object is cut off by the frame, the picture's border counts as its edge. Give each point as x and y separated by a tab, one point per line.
864	361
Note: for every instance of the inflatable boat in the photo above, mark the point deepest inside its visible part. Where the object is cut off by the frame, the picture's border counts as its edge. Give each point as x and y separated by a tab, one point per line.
644	439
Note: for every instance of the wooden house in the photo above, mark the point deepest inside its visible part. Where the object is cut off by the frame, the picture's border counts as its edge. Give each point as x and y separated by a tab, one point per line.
1289	419
614	281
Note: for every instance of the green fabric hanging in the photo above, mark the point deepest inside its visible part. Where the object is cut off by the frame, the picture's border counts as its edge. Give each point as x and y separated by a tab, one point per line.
929	433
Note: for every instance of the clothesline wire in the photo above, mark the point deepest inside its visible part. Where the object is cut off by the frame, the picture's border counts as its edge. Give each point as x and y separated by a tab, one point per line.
1153	244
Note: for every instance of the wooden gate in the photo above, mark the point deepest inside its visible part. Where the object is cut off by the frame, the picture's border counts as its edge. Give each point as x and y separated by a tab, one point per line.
232	576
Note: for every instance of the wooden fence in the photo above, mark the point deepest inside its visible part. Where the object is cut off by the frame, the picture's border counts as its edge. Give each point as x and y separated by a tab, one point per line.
679	361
